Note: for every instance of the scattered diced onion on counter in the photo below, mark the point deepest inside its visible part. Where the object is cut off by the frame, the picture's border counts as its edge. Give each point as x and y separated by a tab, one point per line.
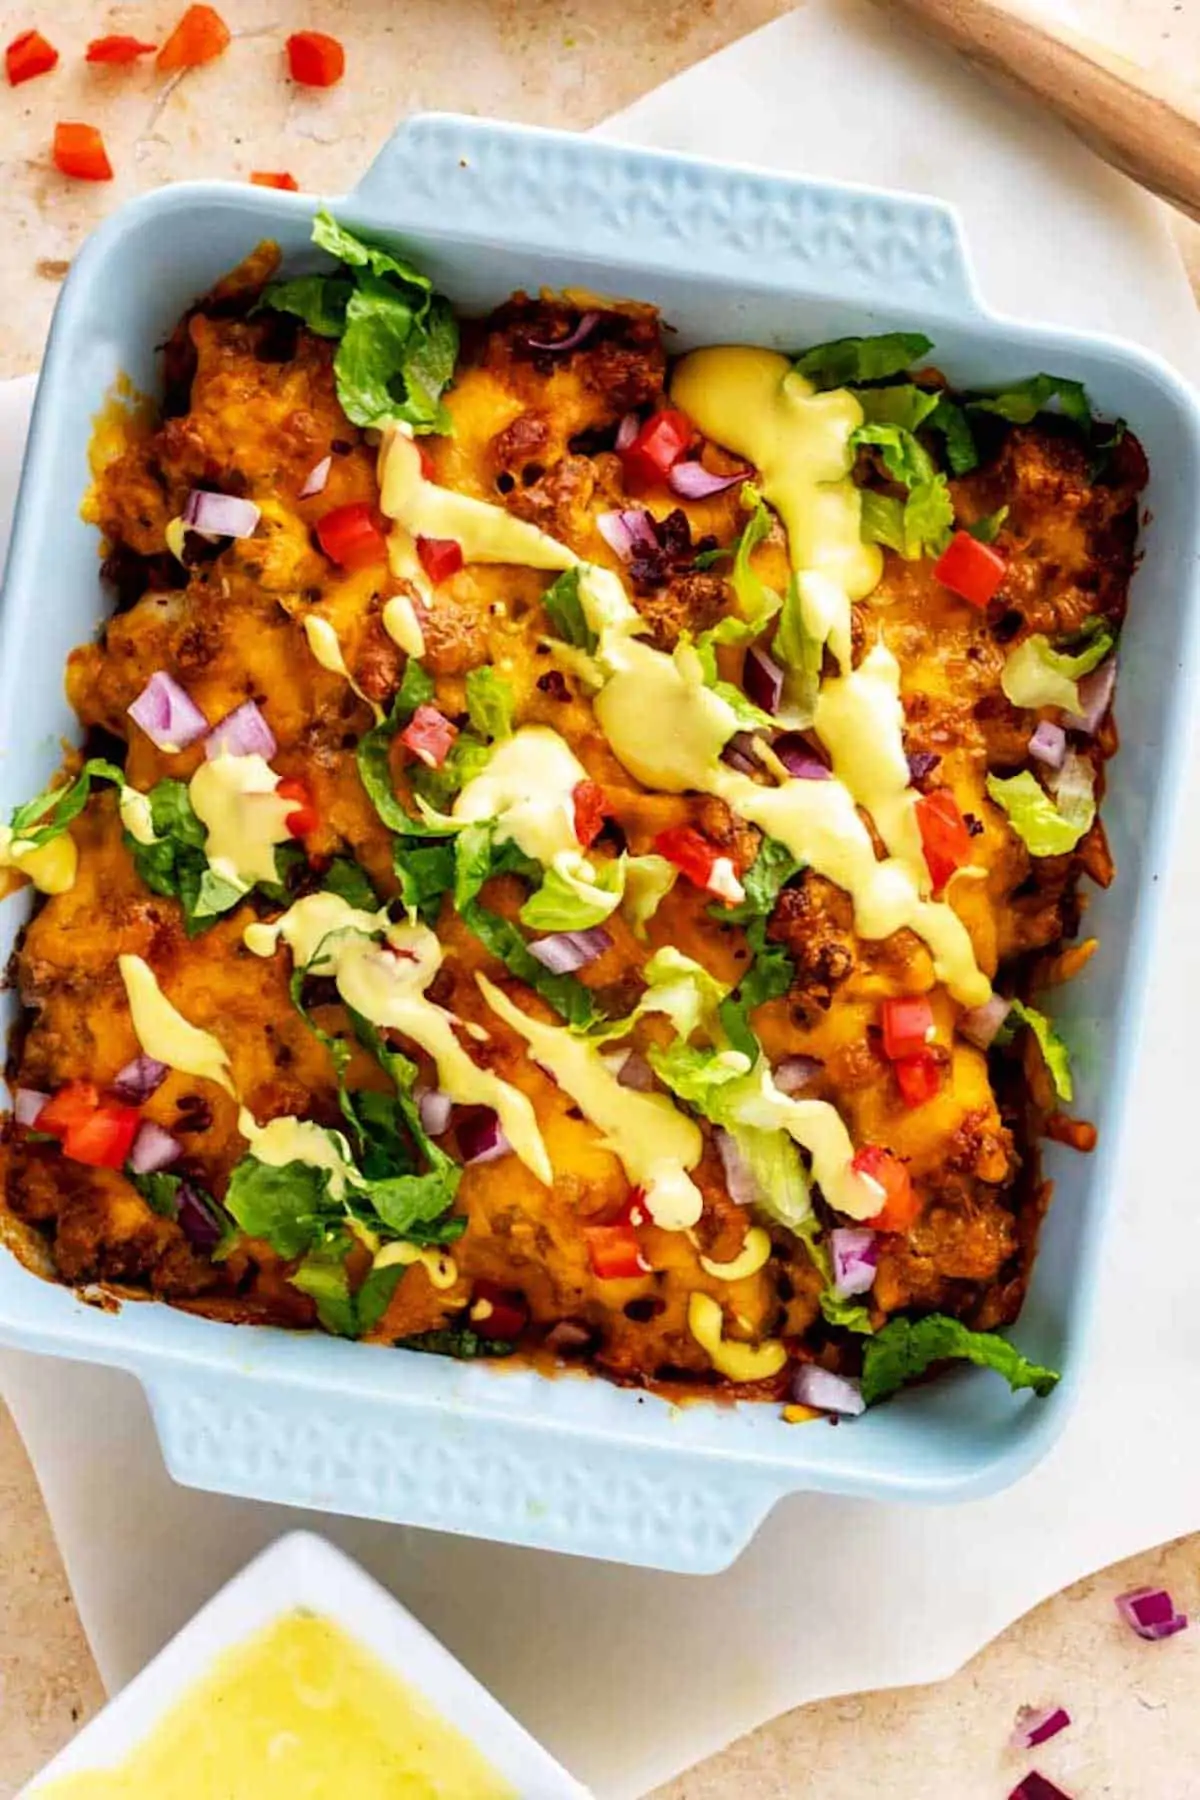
167	713
1151	1613
243	732
1037	1725
1037	1787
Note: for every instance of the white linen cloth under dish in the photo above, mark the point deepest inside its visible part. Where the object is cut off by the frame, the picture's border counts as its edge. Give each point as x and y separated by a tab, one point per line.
834	1596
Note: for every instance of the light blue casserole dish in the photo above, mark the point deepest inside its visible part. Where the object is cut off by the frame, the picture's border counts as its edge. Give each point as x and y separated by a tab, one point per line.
575	1464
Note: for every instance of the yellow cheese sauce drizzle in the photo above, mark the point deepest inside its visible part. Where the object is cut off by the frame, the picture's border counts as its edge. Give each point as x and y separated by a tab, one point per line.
654	1142
235	800
386	982
300	1711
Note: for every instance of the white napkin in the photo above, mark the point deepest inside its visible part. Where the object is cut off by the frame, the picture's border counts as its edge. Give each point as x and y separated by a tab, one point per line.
629	1676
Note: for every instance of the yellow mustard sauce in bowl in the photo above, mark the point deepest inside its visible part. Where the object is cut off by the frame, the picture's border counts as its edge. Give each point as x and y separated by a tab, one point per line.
299	1711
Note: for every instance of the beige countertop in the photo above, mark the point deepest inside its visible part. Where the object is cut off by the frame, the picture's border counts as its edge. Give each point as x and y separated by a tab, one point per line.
561	62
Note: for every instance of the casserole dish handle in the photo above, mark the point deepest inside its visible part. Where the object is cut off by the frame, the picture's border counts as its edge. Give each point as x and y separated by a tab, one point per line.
654	209
397	1459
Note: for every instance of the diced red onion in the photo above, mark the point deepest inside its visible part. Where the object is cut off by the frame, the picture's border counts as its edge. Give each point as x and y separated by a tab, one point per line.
221	515
762	679
826	1392
167	714
567	1338
139	1079
739	1177
565	951
27	1104
792	1074
739	753
1151	1613
153	1149
1095	694
980	1024
1037	1725
318	475
628	531
627	430
200	1219
480	1137
799	758
636	1073
692	481
582	332
1037	1787
435	1109
1049	744
922	763
855	1254
243	732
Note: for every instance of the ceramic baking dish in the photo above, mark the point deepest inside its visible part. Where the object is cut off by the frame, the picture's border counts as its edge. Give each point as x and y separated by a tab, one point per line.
571	1463
301	1572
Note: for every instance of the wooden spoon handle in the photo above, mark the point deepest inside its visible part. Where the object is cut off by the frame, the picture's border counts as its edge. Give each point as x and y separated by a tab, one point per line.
1129	116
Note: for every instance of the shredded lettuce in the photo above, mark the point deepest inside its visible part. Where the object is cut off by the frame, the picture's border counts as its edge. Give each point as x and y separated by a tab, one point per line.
1047	827
352	884
771	972
987	529
568	996
929	510
883	520
801	652
905	1348
904	405
757	603
846	361
398	340
176	865
1036	674
1021	402
490	702
567	900
648	881
951	420
46	817
458	1341
564	609
1054	1051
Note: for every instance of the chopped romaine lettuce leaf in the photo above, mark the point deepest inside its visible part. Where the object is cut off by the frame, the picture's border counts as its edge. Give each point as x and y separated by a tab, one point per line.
352	884
883	520
648	881
458	1341
399	340
801	652
757	603
844	362
929	509
1054	1051
771	972
490	703
1035	674
987	529
568	900
1044	827
42	819
951	420
904	405
905	1348
564	609
568	996
1024	400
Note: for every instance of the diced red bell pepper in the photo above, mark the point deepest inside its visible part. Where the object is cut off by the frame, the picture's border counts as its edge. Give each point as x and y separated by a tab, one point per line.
28	55
614	1252
907	1026
690	851
200	35
429	735
79	152
658	446
919	1077
440	558
426	462
970	569
71	1105
118	49
499	1312
944	835
278	178
591	810
350	535
315	59
900	1203
305	818
104	1139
